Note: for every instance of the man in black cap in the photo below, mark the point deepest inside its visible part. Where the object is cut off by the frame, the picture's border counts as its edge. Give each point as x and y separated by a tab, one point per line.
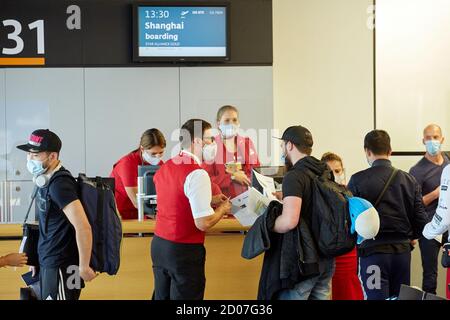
297	145
65	235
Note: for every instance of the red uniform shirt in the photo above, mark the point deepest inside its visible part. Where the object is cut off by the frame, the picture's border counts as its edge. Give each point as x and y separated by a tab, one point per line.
245	154
174	220
125	173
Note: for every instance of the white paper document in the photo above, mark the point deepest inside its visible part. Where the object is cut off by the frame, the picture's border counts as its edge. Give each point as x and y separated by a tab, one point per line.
248	206
268	185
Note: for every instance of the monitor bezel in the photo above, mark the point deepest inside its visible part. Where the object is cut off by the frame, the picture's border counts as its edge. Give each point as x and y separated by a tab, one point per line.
137	58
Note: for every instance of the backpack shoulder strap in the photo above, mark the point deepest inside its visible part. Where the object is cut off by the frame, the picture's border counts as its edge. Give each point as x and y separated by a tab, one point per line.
56	175
386	186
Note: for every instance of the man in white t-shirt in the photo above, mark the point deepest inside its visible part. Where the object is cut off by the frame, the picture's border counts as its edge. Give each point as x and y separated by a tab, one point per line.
441	219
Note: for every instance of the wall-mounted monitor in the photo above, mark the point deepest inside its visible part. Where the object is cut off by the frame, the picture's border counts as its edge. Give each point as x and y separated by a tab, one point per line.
181	31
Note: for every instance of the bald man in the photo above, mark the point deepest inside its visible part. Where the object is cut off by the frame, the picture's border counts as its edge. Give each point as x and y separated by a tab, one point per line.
428	173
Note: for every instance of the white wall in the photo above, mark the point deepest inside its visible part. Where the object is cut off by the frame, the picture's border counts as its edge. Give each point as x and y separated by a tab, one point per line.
100	114
323	73
413	69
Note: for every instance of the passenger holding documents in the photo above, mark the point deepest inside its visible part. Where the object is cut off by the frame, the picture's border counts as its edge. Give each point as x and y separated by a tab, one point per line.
297	142
236	155
292	267
125	171
184	214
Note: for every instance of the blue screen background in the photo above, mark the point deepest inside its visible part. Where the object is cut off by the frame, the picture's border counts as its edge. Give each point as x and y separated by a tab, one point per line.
200	30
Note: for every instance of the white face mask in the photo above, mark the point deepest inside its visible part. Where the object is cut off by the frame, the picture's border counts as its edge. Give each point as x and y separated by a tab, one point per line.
229	130
209	152
340	179
154	161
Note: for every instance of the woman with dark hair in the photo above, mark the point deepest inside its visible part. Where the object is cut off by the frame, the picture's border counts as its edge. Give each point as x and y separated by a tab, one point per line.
345	283
125	171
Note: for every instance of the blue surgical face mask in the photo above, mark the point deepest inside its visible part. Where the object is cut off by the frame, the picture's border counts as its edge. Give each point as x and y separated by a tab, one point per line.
433	147
35	167
283	158
229	130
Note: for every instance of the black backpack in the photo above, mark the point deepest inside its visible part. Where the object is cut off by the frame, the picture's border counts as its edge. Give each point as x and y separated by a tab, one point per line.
330	216
97	197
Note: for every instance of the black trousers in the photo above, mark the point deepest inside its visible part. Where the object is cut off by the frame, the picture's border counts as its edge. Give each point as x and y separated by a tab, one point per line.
429	252
178	269
60	283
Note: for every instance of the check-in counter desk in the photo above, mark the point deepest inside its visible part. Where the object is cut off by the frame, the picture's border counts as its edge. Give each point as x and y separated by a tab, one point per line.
228	275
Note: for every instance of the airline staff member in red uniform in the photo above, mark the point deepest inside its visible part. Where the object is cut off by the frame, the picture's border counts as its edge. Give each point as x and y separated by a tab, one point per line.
184	214
345	281
125	171
236	155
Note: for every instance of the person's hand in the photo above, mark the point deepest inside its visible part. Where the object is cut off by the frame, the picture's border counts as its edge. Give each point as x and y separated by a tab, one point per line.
34	271
16	259
241	178
225	207
218	199
278	195
413	243
87	274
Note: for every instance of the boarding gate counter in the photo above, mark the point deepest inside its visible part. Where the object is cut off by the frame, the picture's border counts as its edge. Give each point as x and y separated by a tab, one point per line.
228	275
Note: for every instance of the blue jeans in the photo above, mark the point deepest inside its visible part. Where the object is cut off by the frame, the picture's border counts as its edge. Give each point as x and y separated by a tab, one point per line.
317	288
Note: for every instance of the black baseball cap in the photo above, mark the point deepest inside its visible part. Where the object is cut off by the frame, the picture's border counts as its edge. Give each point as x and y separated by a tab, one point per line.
298	135
42	140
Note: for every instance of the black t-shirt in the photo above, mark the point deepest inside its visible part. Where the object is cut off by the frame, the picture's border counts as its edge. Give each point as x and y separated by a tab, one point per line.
296	183
57	242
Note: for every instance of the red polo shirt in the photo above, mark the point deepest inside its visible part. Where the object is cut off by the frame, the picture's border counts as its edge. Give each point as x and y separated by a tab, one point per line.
125	172
245	154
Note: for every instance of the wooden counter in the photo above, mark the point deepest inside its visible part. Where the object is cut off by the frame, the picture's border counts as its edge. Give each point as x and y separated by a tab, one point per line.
228	275
132	226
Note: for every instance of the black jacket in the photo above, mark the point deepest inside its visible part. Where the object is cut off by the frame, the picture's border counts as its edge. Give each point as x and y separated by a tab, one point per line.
289	258
402	212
